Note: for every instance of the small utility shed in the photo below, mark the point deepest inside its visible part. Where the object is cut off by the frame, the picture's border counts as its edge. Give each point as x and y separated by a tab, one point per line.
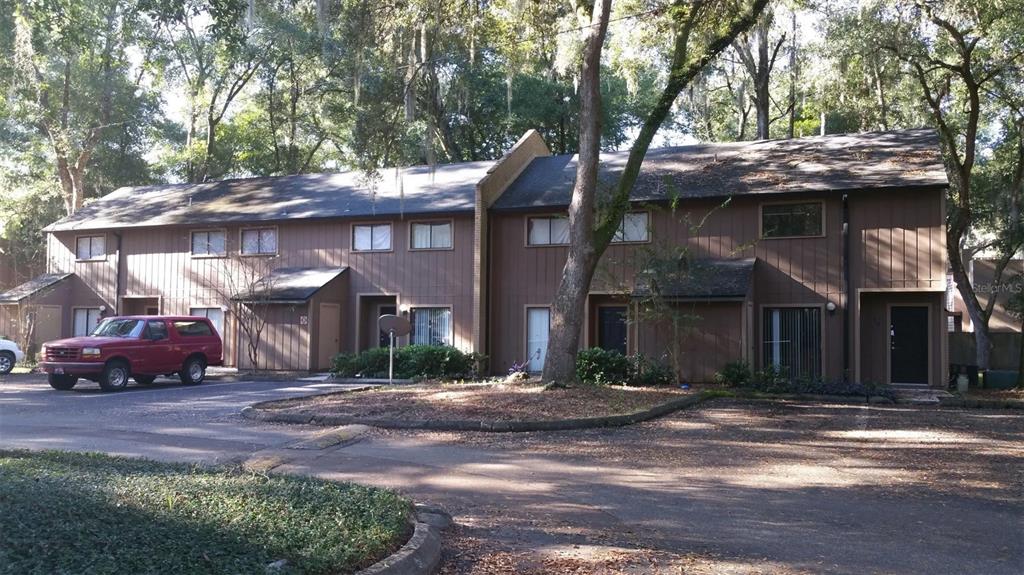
295	316
31	313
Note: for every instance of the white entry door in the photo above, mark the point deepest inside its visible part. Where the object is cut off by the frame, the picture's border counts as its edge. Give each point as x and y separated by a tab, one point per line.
538	324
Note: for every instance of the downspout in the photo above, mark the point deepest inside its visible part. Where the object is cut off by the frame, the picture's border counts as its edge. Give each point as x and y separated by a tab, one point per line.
846	287
117	276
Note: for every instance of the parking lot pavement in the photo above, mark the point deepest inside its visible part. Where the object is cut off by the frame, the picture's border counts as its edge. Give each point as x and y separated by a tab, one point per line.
165	420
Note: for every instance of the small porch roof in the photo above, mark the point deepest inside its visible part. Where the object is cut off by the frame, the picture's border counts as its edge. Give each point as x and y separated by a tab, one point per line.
699	279
32	287
289	285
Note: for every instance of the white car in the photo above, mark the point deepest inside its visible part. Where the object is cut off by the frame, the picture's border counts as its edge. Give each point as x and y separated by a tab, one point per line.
9	355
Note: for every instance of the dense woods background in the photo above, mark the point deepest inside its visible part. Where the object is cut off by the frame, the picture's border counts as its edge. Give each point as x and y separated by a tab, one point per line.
101	93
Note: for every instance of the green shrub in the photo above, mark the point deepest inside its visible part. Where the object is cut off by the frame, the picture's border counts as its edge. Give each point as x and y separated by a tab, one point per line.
598	366
734	374
411	361
650	373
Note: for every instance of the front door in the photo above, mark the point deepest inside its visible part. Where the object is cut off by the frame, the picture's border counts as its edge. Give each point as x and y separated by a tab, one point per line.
329	335
908	344
383	336
611	328
538	324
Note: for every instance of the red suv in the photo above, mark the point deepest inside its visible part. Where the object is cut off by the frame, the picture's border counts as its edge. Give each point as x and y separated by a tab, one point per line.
140	347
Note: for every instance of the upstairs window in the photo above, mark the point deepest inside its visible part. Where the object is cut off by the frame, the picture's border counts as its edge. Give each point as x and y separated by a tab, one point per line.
432	236
371	237
90	248
547	231
259	241
801	220
633	228
211	243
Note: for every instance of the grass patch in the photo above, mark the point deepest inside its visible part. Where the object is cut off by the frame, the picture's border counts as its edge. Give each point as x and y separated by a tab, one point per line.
89	513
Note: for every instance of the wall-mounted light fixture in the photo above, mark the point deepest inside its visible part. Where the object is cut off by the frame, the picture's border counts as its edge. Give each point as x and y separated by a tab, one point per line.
831	307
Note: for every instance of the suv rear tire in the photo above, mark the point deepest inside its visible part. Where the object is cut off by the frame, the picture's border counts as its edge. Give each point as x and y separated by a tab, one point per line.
61	382
6	362
193	372
115	376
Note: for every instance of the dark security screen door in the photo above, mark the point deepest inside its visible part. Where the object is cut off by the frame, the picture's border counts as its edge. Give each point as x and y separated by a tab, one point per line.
385	337
908	344
611	328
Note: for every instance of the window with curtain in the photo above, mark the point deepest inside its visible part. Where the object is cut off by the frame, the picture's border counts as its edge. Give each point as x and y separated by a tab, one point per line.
90	248
214	314
86	320
547	231
633	228
209	243
791	220
432	236
259	241
371	237
792	341
431	326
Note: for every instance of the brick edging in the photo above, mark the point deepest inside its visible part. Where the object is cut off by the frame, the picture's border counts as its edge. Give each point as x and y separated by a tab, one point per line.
260	412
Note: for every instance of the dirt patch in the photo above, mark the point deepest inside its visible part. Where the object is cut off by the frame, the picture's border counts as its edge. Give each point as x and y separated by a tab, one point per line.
488	401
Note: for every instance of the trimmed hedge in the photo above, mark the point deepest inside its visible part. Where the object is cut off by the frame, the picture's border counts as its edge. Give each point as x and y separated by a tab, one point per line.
596	366
411	361
772	380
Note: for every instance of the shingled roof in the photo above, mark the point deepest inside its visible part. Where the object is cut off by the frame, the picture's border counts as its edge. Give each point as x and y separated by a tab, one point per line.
32	287
289	285
873	160
446	188
700	278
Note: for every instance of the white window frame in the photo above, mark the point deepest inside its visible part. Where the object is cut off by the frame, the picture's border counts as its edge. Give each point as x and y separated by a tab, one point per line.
208	253
75	332
451	323
526	339
373	226
767	361
206	313
619	237
432	224
93	257
259	241
549	218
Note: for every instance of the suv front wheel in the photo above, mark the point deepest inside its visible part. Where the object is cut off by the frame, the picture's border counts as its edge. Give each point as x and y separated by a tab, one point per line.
115	376
193	372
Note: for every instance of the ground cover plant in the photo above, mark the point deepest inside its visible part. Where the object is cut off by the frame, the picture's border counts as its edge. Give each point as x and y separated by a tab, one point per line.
411	361
772	380
89	513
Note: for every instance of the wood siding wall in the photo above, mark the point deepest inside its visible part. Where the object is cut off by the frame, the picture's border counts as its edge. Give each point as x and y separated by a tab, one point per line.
158	262
799	271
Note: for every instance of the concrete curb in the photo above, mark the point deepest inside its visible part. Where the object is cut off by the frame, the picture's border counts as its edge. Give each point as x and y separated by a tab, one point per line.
874	399
982	403
421	555
265	411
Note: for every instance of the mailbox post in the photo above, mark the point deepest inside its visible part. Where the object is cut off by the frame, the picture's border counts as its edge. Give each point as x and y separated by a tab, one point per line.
396	326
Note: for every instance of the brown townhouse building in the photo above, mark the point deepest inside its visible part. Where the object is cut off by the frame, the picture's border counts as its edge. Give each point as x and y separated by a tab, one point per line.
822	255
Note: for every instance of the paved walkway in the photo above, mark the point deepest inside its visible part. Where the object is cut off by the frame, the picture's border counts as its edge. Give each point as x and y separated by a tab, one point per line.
731	487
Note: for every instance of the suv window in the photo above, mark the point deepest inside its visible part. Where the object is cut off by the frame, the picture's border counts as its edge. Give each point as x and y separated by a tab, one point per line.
192	328
157	330
119	328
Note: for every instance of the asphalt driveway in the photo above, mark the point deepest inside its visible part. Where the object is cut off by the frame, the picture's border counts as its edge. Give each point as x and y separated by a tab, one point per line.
730	487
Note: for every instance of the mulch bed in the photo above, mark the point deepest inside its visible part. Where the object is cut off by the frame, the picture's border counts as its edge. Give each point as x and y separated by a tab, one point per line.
488	401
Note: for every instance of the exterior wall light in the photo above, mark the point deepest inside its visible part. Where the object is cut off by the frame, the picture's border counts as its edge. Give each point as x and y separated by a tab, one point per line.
831	307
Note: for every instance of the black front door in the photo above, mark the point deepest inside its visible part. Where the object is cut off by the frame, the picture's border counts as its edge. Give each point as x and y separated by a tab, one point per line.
384	336
908	344
611	328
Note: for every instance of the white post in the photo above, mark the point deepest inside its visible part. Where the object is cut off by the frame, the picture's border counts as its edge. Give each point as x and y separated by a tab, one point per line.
391	355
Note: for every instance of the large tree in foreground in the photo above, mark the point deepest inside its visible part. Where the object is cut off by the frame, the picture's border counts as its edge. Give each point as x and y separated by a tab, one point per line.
701	29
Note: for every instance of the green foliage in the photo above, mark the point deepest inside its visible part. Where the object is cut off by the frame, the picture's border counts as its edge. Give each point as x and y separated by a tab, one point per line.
411	361
174	518
734	374
597	366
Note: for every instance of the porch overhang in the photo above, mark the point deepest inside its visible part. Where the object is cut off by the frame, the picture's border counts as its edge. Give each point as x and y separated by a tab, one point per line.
288	286
34	286
704	279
